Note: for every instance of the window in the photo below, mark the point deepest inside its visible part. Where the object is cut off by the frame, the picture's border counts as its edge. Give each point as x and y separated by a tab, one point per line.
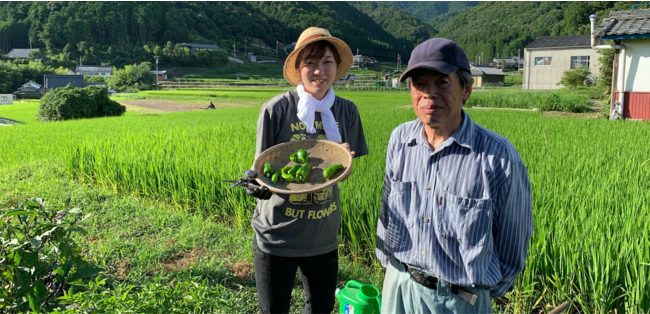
541	61
579	61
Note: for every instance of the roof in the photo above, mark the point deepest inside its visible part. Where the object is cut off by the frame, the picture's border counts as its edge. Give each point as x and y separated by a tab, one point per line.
624	23
19	53
94	68
159	72
573	41
57	80
479	70
199	46
507	60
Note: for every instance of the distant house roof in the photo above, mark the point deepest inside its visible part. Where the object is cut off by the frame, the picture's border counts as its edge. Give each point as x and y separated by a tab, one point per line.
199	46
573	41
30	88
19	53
480	70
94	68
625	24
509	61
159	72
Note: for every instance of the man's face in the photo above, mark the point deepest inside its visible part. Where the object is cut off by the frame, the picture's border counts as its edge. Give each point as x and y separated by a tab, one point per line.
438	98
318	75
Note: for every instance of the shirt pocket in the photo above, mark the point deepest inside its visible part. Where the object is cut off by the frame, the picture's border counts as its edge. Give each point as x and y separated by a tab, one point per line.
467	220
402	197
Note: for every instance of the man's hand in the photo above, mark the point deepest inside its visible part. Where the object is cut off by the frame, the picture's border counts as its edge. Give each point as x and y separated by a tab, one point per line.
259	192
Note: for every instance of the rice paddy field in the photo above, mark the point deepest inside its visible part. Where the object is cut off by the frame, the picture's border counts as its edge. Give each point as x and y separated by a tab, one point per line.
590	182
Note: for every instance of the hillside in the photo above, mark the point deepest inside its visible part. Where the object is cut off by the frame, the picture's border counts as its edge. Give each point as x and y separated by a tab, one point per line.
435	13
500	29
116	32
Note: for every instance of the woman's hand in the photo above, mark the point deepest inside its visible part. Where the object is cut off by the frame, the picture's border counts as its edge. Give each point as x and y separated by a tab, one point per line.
346	145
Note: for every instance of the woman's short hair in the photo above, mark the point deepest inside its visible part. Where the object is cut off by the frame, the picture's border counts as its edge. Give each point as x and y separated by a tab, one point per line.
316	51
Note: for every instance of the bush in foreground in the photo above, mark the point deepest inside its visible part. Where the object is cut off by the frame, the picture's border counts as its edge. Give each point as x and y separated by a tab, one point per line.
70	102
39	260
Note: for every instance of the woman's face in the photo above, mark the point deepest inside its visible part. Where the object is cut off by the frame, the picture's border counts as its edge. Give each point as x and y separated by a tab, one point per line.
317	76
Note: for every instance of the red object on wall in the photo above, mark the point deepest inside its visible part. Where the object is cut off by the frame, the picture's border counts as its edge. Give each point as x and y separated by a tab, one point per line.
637	106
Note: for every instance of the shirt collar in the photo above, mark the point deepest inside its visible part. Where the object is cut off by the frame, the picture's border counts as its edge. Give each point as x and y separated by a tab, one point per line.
464	136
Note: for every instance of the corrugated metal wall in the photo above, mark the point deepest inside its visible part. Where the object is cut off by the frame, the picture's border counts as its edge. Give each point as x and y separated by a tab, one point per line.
637	106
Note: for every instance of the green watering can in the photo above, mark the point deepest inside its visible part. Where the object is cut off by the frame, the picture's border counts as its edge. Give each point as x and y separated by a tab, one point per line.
358	298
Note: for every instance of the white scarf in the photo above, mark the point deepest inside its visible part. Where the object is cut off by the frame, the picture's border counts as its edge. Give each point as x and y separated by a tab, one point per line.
308	106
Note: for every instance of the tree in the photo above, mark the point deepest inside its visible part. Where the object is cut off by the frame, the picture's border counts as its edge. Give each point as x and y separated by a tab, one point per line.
575	77
132	78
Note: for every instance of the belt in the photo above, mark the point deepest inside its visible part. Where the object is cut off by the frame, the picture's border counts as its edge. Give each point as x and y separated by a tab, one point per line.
431	282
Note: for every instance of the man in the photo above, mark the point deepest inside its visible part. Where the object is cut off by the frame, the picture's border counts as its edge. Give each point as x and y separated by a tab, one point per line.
456	213
211	106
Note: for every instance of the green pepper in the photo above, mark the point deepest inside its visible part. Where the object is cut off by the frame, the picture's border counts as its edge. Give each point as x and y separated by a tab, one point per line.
294	157
285	174
268	170
330	171
294	170
303	172
275	178
303	156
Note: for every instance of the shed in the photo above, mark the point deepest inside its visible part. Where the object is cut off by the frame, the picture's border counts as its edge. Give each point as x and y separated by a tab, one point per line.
485	75
160	75
511	64
62	80
630	31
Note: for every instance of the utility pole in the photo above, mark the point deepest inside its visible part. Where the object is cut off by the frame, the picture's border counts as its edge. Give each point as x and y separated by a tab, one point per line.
30	43
399	61
357	51
245	51
156	73
233	50
482	57
276	50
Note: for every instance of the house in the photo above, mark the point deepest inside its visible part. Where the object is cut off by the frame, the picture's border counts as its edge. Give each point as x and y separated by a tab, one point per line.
20	53
359	61
160	75
195	47
94	70
30	90
548	57
511	64
630	31
485	75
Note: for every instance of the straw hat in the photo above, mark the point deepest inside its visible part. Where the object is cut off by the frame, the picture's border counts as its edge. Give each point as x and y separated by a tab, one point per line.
309	36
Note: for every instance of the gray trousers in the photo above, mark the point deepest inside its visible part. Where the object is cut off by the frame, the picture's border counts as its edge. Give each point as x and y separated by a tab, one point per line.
405	296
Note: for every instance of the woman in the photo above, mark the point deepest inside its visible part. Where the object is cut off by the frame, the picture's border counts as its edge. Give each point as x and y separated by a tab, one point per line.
288	236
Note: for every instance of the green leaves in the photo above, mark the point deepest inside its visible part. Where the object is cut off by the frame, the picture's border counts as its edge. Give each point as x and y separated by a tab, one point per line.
39	256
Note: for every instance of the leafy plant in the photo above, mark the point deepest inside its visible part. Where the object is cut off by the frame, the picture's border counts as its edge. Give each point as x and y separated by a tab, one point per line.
38	258
65	103
576	77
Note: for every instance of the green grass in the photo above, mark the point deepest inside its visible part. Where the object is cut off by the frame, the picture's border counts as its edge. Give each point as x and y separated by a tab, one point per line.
158	260
591	243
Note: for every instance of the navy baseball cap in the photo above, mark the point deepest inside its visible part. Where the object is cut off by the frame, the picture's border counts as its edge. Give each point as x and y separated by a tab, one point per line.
438	54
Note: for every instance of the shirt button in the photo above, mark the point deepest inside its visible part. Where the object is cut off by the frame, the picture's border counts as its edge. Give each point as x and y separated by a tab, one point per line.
428	187
423	253
426	219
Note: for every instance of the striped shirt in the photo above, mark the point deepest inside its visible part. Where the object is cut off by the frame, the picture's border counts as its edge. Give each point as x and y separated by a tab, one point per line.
462	213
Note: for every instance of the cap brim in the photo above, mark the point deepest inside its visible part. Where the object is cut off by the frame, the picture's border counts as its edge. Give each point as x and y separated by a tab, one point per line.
438	66
290	73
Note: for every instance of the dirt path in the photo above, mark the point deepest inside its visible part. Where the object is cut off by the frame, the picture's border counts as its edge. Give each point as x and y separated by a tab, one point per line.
164	106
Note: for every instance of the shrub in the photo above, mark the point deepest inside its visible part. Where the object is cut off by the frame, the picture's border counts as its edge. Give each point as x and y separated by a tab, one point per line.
70	102
39	258
575	77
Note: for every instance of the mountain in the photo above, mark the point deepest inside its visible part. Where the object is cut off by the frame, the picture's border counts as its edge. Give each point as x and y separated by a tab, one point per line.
116	32
501	29
435	13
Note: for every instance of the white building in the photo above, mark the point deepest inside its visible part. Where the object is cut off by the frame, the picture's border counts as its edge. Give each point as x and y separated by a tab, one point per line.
630	31
94	70
548	57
